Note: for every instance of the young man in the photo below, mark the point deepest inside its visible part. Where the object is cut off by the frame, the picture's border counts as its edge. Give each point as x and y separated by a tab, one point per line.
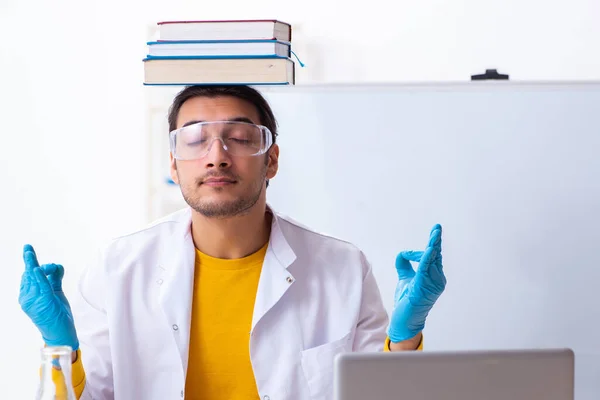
225	299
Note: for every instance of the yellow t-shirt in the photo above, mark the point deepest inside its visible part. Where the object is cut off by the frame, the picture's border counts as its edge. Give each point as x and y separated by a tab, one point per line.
219	364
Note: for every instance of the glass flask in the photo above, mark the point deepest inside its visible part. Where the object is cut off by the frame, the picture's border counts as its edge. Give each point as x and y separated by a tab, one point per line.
56	382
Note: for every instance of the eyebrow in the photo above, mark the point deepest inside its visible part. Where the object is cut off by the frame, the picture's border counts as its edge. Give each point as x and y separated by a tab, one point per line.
234	119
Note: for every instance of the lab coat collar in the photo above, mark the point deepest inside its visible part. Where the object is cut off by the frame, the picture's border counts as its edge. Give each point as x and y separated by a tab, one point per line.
176	266
275	279
181	239
278	243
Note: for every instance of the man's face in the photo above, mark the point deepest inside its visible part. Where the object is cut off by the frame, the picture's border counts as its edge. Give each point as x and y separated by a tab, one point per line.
220	185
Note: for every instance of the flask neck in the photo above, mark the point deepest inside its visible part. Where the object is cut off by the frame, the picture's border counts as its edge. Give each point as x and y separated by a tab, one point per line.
56	382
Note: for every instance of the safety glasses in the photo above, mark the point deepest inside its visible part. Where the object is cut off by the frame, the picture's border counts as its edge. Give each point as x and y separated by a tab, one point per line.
244	139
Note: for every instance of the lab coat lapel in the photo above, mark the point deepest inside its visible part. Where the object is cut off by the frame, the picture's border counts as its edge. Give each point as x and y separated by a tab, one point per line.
177	264
275	279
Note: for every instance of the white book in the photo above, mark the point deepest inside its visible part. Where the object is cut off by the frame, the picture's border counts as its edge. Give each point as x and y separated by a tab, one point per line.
182	70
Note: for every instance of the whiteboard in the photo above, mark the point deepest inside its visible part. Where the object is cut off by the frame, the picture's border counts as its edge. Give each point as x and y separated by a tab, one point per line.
510	170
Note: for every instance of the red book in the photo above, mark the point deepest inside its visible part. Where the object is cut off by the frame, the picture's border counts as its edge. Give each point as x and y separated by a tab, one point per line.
265	29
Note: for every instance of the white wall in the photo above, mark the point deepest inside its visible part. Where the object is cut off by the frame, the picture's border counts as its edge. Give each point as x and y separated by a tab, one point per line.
73	167
404	40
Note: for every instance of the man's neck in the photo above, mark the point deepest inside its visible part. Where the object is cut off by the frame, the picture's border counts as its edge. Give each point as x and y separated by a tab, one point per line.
230	238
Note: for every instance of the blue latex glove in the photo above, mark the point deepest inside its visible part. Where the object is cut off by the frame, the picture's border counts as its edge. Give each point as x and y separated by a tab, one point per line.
417	292
41	297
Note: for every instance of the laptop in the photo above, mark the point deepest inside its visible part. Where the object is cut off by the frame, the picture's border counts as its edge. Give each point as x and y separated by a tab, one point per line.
535	374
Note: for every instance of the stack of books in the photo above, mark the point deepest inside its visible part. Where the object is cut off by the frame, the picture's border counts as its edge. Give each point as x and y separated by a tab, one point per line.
248	52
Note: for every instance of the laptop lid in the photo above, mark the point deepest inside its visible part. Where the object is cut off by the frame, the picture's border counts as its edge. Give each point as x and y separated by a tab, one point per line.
544	374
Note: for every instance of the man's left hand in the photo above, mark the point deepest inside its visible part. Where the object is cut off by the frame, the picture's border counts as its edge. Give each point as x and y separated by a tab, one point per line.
417	292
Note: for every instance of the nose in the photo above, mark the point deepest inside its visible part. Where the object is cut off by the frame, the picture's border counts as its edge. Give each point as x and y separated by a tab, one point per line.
217	155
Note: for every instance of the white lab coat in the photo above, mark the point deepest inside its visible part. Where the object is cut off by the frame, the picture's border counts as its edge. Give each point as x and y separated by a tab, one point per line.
316	298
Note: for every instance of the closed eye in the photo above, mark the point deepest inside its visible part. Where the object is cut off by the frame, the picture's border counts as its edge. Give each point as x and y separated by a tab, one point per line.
240	141
196	143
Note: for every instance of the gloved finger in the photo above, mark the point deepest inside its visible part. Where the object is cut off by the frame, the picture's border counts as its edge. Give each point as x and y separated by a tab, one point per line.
55	273
436	274
30	258
26	277
435	236
42	282
412	255
403	267
427	260
48	269
25	283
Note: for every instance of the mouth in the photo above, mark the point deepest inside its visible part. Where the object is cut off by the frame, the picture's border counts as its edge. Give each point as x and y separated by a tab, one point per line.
218	182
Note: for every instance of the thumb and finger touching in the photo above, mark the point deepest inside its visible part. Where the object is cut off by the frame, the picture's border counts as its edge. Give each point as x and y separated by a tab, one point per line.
55	274
403	266
430	256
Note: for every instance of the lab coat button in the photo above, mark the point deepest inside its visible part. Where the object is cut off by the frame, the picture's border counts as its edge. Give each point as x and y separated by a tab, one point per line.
160	281
175	327
265	397
182	393
289	279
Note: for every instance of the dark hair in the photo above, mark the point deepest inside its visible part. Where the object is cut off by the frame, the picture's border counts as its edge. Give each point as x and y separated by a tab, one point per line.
241	92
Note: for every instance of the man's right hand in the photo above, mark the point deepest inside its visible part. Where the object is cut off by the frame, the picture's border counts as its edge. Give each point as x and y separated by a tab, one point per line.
41	297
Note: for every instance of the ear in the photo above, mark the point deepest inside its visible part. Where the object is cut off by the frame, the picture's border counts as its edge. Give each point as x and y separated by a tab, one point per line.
272	161
173	169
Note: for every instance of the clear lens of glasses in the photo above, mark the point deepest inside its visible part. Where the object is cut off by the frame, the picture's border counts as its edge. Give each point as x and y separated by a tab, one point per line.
237	138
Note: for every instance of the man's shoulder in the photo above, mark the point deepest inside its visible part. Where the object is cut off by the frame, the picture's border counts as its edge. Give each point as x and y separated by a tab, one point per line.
293	229
152	231
322	253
